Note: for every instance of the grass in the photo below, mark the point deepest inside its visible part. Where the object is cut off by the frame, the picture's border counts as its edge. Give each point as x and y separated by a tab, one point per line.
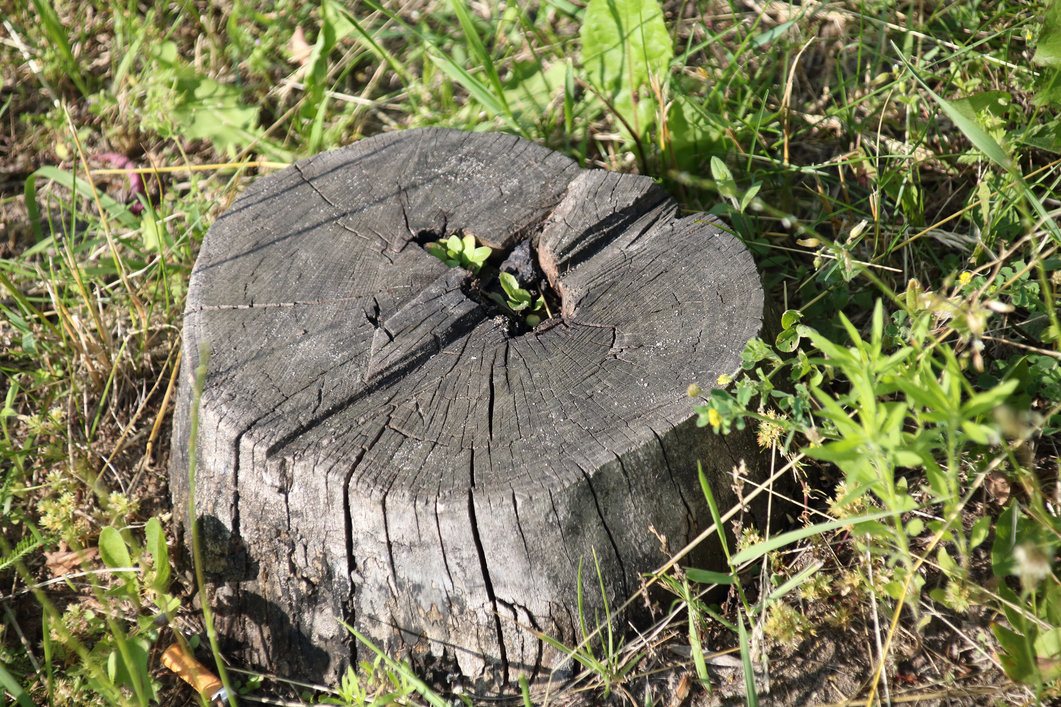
894	162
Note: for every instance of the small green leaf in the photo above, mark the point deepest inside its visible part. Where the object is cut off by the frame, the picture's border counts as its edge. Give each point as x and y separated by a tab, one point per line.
508	283
749	195
790	317
533	320
947	563
724	181
787	340
454	244
978	533
156	547
112	548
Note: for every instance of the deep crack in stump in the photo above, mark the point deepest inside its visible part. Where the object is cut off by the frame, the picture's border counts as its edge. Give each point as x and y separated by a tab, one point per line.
376	447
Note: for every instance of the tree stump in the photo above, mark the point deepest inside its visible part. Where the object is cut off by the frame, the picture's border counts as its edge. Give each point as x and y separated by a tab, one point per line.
377	445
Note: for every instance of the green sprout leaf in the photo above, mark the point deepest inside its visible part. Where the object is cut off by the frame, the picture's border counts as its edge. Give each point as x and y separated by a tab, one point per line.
460	252
112	548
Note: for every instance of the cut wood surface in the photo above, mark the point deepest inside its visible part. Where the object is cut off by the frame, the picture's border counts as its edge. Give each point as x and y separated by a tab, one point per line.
377	446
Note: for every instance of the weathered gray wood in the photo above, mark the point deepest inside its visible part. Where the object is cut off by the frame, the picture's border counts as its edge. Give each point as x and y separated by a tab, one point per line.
376	447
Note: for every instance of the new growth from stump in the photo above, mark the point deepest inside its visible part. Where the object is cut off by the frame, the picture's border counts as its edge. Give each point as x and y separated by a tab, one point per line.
512	300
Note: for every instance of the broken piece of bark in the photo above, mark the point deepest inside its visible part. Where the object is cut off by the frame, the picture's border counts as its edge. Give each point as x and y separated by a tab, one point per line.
376	446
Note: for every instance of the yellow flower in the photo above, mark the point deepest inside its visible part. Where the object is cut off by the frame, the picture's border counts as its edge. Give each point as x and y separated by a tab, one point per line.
723	380
965	278
714	418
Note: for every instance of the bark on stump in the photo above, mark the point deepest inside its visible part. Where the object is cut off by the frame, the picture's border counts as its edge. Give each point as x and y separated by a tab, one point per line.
376	446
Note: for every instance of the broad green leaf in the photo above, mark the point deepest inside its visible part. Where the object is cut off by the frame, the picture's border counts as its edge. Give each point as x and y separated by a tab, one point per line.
724	181
112	548
947	563
138	673
1048	654
749	196
151	231
532	87
695	134
1005	540
980	434
1016	657
624	43
993	102
215	112
1048	48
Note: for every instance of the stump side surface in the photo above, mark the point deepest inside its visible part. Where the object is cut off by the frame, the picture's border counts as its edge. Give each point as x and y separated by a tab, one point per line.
375	446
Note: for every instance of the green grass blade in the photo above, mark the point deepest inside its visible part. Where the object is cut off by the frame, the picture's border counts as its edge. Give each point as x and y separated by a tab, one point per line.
475	43
60	42
775	543
792	583
750	694
395	666
716	517
708	576
115	210
479	91
972	129
695	645
14	688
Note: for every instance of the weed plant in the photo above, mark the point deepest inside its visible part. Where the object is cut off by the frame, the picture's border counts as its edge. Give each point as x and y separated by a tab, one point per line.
893	166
